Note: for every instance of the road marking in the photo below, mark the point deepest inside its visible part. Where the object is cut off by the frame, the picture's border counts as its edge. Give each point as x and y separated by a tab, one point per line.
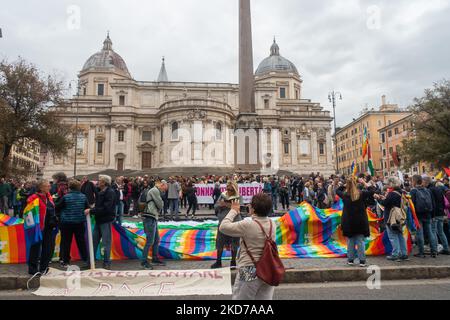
386	283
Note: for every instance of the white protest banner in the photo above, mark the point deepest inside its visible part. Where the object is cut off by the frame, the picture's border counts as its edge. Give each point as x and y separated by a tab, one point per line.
152	283
246	190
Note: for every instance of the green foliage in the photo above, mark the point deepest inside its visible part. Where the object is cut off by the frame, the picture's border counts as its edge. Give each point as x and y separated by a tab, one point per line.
27	110
430	133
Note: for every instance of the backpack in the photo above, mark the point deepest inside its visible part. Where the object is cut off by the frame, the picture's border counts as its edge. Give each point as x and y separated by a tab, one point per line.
397	216
143	200
424	202
447	203
269	268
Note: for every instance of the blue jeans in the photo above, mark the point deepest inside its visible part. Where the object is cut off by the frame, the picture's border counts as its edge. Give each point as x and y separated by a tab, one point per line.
398	243
438	230
173	207
425	226
356	245
119	212
152	235
275	201
103	232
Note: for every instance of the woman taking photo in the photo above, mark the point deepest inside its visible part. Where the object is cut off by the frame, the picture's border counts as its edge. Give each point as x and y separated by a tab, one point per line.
355	222
247	285
42	251
222	208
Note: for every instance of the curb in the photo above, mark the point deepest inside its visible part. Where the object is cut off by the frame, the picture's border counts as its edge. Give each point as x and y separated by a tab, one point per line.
351	274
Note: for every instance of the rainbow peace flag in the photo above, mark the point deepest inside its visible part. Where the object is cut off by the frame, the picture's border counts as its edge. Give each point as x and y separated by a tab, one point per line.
365	144
305	232
6	221
31	224
354	169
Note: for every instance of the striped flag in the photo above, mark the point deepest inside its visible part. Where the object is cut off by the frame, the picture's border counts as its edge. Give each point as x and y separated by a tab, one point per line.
371	167
33	233
354	169
365	144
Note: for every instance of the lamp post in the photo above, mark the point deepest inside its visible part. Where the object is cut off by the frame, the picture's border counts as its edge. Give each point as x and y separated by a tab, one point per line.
332	97
76	128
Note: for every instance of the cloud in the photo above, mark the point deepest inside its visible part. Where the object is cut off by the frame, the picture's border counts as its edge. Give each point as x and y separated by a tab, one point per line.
332	42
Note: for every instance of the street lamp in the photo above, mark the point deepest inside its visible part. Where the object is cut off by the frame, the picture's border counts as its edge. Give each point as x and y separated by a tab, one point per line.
332	97
76	127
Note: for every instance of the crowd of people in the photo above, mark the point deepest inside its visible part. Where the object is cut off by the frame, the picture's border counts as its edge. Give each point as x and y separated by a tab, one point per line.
64	204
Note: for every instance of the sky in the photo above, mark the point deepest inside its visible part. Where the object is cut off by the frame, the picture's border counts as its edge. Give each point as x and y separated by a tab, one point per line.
361	48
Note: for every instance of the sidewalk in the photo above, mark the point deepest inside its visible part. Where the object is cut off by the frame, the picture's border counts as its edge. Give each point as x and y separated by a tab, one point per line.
14	277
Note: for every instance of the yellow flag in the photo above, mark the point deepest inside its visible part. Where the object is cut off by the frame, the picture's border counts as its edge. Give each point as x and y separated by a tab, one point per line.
440	176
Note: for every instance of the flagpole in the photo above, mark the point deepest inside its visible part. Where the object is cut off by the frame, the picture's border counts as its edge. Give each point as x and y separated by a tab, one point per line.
91	242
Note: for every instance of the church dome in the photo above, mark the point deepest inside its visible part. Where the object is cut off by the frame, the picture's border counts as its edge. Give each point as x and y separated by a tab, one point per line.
276	63
107	60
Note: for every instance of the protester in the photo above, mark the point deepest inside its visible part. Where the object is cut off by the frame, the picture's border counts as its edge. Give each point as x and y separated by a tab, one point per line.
355	223
222	208
104	212
173	195
247	285
396	238
120	193
5	193
191	196
89	190
423	203
150	220
437	224
284	193
73	223
41	253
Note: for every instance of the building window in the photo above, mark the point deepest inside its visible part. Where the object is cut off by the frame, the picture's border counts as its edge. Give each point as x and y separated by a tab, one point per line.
266	104
218	131
391	150
121	100
162	134
101	89
175	127
286	148
146	136
397	131
84	91
121	135
100	147
282	93
390	133
321	149
297	94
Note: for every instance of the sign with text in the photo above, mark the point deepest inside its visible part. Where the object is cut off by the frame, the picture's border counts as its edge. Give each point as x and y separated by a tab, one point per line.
246	190
152	283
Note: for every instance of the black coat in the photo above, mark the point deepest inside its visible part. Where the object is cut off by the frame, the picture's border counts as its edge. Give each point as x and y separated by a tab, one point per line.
393	199
105	206
89	190
354	217
438	201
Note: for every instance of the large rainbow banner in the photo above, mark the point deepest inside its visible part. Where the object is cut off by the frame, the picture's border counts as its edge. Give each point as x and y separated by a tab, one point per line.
305	232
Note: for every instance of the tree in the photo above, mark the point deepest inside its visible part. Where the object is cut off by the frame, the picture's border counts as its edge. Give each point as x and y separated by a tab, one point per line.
430	130
28	104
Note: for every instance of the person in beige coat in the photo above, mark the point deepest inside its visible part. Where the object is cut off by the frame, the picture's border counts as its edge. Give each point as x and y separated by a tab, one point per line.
247	285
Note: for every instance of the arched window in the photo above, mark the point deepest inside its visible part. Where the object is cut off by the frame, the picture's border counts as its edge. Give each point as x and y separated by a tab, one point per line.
218	131
175	128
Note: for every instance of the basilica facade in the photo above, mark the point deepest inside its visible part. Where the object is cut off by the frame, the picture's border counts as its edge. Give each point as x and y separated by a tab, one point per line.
125	124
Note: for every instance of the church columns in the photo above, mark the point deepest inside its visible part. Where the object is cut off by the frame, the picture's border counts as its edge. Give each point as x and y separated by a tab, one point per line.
315	147
294	144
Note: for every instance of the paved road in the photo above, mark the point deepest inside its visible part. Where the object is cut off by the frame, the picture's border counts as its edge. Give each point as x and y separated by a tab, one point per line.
390	290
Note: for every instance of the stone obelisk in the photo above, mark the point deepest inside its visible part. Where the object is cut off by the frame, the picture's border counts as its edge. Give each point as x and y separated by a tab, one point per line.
247	124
